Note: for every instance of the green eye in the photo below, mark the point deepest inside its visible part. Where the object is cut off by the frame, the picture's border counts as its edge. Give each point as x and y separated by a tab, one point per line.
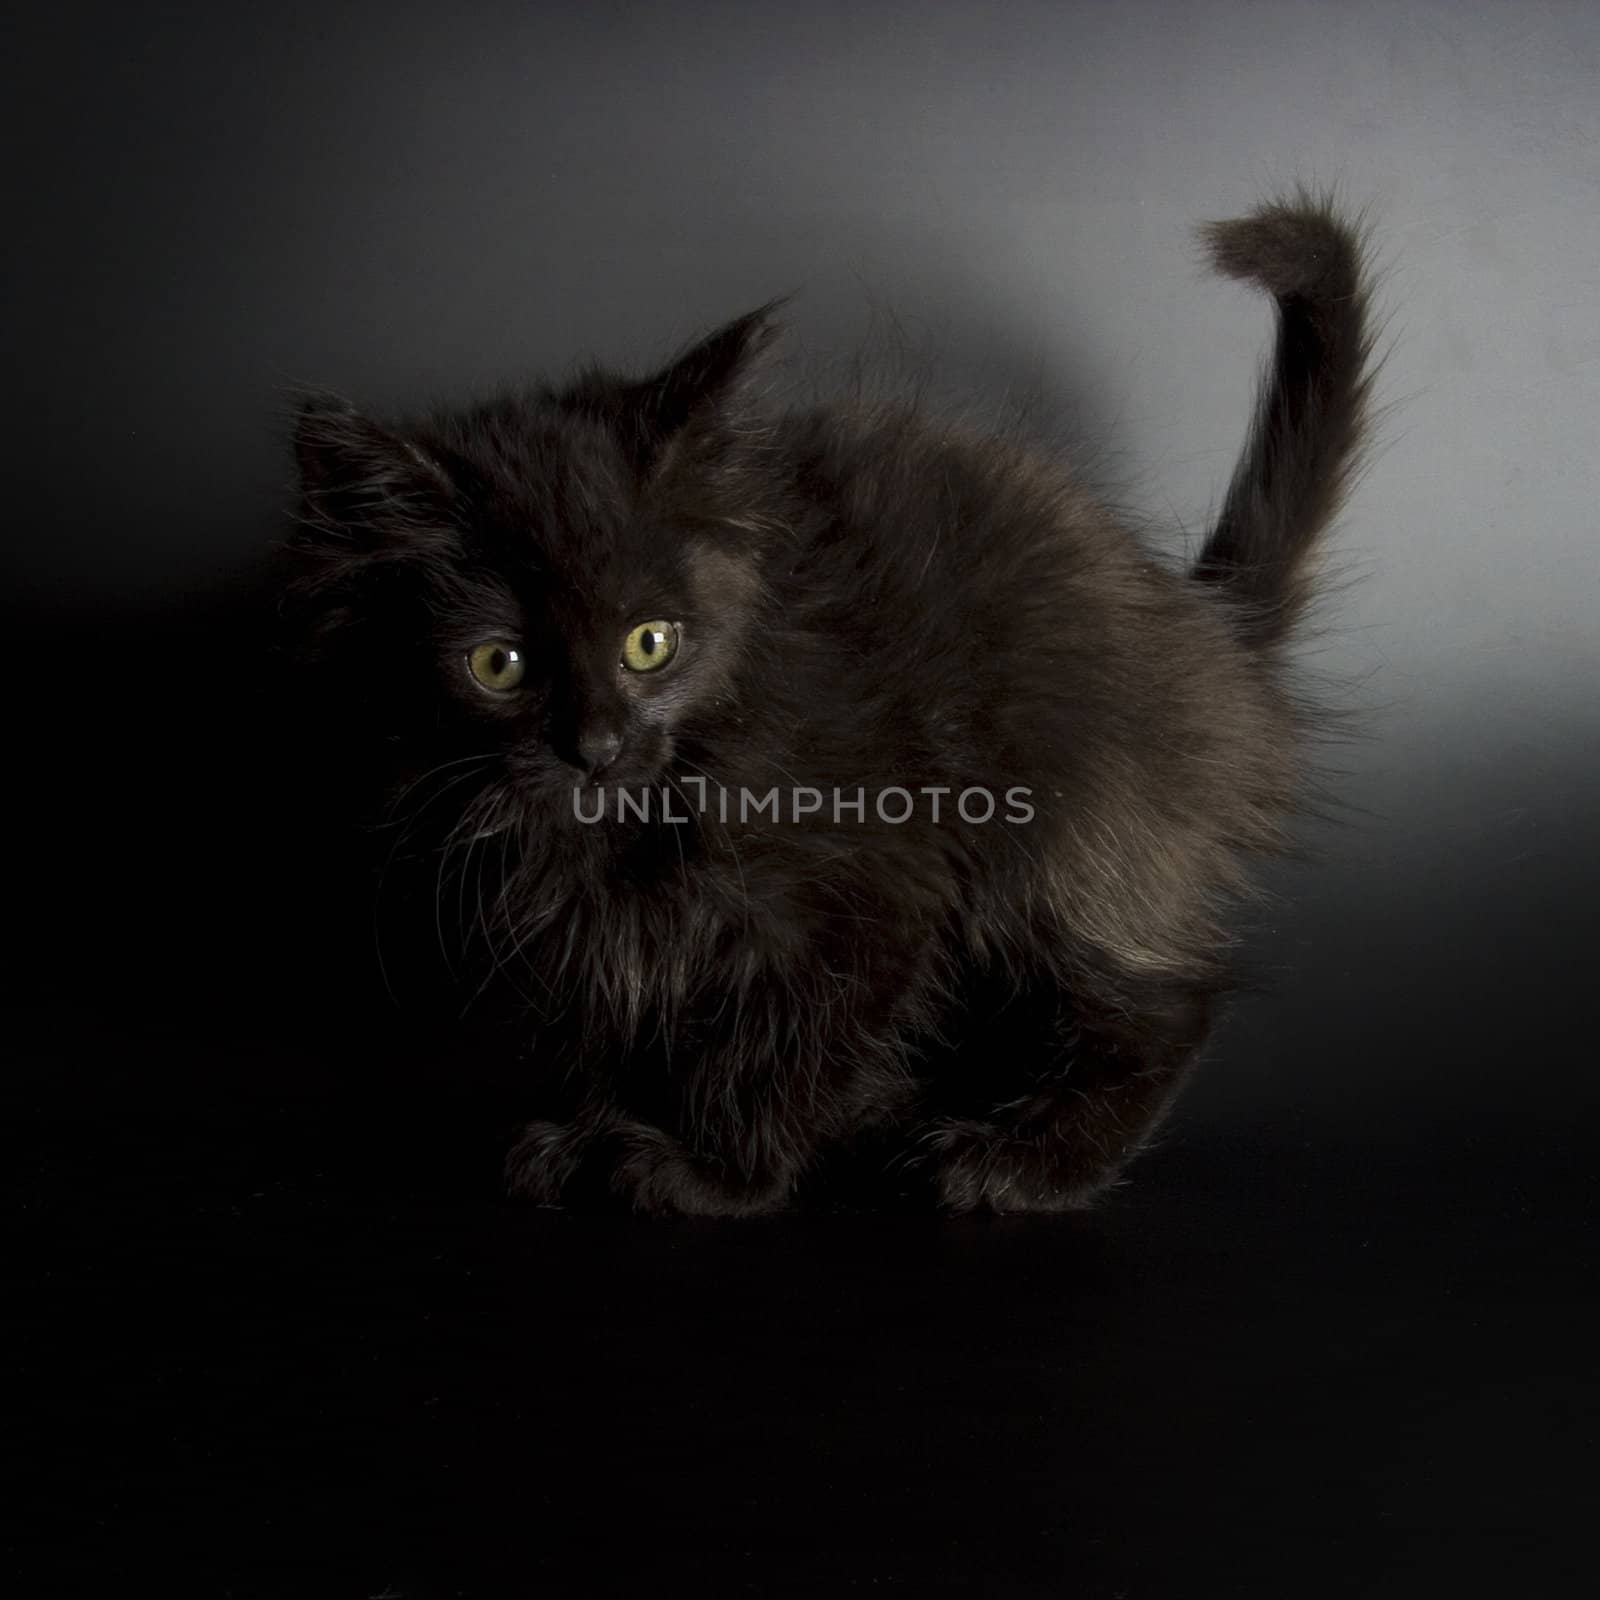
650	646
495	666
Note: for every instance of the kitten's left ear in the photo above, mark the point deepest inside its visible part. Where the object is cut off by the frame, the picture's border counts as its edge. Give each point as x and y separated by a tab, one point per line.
683	403
708	377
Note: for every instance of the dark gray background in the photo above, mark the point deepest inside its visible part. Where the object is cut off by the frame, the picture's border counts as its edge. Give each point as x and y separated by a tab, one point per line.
1336	1338
405	201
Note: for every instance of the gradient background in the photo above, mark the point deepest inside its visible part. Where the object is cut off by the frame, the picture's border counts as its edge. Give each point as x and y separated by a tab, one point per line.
400	202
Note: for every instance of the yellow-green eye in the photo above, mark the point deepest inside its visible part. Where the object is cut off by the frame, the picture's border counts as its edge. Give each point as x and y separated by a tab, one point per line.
650	646
496	665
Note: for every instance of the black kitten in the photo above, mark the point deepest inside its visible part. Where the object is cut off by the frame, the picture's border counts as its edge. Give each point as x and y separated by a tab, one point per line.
834	779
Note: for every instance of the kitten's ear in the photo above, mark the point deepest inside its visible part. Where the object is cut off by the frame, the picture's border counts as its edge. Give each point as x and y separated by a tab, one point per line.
686	401
710	375
365	486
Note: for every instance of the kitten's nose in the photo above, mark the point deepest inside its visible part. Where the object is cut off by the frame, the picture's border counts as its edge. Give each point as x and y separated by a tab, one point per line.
597	749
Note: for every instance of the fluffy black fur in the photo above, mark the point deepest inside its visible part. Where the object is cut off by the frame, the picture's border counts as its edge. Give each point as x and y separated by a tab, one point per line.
869	599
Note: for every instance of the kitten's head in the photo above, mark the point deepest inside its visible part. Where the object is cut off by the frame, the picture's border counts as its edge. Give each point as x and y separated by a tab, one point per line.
549	588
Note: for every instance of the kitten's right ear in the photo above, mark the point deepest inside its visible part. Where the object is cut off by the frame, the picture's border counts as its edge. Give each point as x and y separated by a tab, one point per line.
366	487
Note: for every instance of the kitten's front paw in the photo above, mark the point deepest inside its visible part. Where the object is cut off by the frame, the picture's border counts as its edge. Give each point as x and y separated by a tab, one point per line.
658	1173
978	1166
636	1165
543	1163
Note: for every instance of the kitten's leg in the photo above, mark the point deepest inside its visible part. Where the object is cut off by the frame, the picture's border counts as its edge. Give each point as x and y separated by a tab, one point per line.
1094	1083
729	1120
733	1133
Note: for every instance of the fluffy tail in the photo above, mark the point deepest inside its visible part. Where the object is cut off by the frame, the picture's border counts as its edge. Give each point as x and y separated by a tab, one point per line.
1311	412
